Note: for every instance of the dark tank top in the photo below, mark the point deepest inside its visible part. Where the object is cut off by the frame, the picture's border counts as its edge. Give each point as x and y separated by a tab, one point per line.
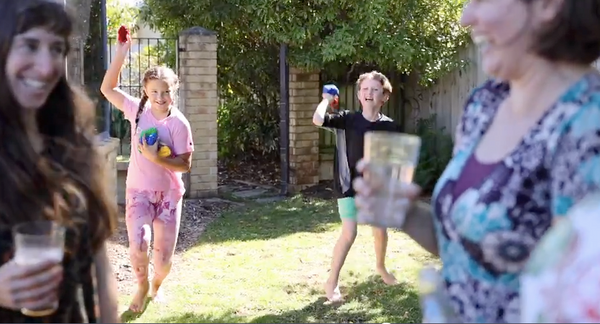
77	293
473	175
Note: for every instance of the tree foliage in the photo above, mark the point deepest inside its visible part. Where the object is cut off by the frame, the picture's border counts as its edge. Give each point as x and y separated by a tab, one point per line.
403	35
120	13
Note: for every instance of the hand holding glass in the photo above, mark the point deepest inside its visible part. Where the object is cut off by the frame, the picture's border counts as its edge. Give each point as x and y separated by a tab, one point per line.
391	159
36	243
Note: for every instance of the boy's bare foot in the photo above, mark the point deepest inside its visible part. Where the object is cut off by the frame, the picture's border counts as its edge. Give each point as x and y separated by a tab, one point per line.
332	291
387	277
140	297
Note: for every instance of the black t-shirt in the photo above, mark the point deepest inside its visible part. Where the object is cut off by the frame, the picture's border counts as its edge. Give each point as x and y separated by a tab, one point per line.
350	128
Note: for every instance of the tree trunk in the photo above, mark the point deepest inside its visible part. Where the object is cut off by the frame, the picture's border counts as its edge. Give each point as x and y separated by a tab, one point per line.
85	63
81	10
94	57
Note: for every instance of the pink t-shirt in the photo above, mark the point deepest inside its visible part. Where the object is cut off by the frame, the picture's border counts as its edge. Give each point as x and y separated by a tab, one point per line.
173	131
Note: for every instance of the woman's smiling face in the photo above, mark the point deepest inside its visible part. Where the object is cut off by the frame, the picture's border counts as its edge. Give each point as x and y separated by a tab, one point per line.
35	64
504	31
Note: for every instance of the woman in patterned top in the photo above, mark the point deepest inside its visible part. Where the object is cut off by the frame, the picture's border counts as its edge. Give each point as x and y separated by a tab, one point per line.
526	149
50	171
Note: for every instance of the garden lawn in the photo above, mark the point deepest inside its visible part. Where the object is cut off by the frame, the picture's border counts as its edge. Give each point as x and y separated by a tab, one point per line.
267	263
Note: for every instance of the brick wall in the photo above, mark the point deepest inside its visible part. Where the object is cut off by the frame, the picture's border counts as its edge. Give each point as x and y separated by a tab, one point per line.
199	101
304	136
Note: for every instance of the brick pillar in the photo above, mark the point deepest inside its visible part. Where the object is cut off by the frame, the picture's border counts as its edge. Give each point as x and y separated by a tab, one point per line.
304	136
198	99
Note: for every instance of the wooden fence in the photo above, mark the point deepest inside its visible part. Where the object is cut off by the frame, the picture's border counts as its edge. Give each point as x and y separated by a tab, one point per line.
446	98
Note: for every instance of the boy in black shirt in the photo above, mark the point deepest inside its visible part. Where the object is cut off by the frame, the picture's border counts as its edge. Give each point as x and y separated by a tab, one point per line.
374	90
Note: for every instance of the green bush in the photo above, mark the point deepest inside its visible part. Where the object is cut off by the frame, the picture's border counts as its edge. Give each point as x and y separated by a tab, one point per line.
436	152
247	129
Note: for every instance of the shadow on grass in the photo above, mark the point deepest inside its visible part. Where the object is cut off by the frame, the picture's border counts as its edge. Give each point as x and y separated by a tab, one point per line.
191	317
366	302
269	221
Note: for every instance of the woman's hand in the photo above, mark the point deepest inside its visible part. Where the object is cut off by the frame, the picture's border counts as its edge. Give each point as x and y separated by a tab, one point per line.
32	286
369	194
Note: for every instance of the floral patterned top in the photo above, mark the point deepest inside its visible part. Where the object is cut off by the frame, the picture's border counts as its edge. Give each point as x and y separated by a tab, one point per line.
561	282
486	233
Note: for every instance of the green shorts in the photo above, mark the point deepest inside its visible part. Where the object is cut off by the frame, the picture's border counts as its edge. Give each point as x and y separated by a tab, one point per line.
347	208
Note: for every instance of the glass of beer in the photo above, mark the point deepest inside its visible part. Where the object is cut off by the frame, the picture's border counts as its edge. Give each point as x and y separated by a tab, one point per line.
36	242
392	159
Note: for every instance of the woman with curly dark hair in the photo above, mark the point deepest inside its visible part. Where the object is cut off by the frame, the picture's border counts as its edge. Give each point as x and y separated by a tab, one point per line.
50	172
527	149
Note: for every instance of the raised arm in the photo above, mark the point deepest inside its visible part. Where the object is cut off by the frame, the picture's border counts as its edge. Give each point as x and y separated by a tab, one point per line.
110	83
319	115
329	120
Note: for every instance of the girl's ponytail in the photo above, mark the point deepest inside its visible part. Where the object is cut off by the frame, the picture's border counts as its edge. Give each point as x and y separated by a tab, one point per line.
143	101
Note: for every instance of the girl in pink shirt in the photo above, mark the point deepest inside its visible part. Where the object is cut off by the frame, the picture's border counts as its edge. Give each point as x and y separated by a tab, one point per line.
154	185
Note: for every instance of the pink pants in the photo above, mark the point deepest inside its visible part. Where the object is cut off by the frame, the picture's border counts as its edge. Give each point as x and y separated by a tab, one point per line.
152	211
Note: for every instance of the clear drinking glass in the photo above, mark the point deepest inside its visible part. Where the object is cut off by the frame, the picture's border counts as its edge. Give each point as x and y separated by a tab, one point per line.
393	158
37	242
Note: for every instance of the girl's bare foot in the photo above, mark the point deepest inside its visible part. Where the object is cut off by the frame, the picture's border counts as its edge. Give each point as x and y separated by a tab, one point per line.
156	293
158	296
332	291
387	277
140	297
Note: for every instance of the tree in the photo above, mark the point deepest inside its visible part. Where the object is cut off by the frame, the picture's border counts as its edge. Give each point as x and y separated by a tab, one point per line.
119	13
402	35
81	9
334	36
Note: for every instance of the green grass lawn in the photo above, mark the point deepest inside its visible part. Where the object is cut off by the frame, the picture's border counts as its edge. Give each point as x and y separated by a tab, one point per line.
267	263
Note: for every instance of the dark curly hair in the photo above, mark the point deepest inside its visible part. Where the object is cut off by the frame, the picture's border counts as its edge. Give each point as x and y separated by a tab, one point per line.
573	35
66	181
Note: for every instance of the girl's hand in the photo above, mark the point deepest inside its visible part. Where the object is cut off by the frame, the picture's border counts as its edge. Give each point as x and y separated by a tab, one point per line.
150	152
31	286
367	188
123	48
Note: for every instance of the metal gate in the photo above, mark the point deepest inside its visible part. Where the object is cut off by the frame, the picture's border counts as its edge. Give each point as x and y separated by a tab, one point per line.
144	53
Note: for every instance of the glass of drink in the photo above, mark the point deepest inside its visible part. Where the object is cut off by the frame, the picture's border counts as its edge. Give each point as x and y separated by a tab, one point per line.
392	159
36	242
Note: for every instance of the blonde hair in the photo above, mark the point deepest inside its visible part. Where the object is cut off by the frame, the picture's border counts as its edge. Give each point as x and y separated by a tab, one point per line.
159	72
377	76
